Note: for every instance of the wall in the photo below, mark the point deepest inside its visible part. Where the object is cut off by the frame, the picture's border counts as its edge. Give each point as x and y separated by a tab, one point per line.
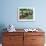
9	13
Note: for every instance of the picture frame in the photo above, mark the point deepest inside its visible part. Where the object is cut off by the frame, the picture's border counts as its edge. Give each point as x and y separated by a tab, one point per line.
26	14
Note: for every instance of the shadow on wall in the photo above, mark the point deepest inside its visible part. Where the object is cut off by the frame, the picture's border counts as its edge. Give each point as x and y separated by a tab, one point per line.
2	26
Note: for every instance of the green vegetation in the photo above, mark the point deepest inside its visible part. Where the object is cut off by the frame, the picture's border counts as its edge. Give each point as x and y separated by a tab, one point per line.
26	14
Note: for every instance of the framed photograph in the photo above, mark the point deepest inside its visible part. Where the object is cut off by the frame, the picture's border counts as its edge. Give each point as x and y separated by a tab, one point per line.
26	14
